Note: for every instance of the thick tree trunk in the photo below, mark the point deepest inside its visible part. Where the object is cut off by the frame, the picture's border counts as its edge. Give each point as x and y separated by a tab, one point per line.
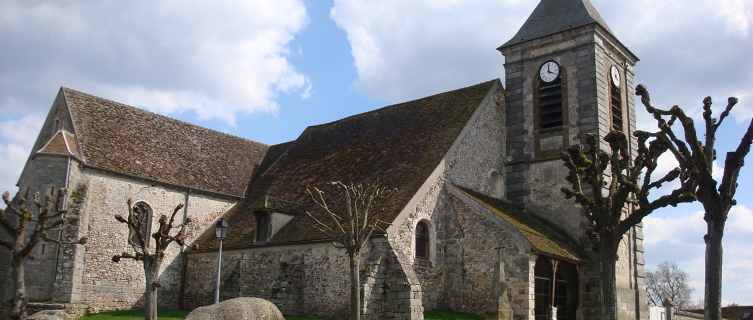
713	291
355	287
608	272
151	269
20	299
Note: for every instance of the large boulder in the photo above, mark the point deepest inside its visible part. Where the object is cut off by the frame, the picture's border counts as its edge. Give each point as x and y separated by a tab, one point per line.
244	308
50	315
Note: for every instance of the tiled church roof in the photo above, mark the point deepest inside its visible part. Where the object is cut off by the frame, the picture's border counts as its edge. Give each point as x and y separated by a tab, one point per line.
398	145
125	139
553	16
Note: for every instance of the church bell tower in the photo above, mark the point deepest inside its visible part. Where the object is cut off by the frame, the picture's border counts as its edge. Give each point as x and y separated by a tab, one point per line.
567	75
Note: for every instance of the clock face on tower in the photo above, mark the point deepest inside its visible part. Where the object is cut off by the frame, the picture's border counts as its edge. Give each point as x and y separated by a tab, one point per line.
615	76
549	71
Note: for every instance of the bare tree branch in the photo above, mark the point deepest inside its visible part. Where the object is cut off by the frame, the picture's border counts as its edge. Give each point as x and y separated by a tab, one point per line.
351	228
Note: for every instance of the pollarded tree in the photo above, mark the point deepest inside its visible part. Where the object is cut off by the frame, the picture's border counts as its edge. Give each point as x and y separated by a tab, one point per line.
16	219
351	228
697	159
150	257
669	282
617	195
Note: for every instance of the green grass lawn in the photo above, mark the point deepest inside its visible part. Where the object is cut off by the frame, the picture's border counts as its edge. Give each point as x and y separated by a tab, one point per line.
138	314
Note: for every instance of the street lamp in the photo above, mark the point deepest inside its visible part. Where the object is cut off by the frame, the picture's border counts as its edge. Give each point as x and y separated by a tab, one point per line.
220	230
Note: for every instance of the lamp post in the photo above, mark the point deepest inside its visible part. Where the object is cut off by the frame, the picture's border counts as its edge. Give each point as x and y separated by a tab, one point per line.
220	230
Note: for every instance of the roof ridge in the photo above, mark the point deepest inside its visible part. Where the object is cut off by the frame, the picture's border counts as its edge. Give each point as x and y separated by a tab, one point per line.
65	89
396	105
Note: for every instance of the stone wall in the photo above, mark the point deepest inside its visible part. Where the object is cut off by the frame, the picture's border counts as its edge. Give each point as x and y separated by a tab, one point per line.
474	245
43	174
310	279
87	274
480	148
304	279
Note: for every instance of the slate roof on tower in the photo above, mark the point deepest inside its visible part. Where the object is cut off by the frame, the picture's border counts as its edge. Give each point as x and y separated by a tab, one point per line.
398	145
130	140
554	16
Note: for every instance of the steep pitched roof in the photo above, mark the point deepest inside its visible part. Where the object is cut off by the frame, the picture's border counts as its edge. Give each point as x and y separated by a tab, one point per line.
125	139
398	145
62	143
553	16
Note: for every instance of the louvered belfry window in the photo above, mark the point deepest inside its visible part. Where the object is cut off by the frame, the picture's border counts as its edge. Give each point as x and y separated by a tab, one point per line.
550	104
615	102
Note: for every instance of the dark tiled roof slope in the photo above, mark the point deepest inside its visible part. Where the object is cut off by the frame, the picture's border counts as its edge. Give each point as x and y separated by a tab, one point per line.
553	16
398	145
125	139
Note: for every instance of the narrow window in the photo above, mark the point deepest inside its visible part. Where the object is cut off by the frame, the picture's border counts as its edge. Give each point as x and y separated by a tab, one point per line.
565	291
616	102
262	226
496	185
56	125
615	98
542	289
142	215
422	240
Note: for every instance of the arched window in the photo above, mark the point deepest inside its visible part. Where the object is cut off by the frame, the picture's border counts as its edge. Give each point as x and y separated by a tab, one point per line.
142	214
422	240
263	226
496	185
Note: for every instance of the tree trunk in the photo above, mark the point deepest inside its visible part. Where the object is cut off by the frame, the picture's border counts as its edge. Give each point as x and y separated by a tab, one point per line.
608	272
713	292
20	299
355	287
151	269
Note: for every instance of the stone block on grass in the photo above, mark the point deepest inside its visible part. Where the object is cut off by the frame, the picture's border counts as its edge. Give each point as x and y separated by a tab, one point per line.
244	308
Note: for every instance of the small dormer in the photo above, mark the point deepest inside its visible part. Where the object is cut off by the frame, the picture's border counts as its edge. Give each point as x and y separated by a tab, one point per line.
61	143
270	215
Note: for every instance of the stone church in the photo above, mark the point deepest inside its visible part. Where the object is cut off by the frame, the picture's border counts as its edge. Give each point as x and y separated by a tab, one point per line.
478	223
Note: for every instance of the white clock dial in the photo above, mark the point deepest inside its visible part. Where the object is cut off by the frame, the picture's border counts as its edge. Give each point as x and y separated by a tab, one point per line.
549	71
615	76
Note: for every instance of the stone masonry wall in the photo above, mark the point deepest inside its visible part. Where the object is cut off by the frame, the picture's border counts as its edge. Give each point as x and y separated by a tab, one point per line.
106	285
43	174
307	279
481	147
473	242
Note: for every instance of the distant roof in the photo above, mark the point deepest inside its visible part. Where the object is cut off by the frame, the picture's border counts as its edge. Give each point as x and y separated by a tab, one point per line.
398	145
554	16
547	239
125	139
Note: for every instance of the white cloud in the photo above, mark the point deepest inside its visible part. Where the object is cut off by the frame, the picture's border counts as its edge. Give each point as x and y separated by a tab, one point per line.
17	138
409	49
214	58
680	240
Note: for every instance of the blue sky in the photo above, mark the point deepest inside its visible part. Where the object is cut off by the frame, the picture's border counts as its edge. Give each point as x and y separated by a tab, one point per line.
264	70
